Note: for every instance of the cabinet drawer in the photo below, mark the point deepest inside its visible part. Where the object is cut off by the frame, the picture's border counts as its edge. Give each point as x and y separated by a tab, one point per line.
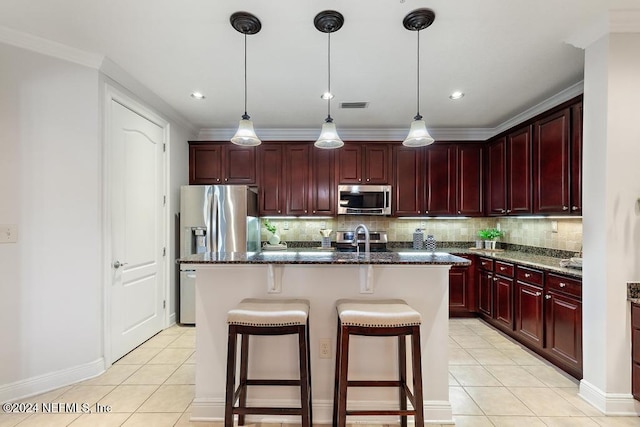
529	275
485	263
635	316
504	268
564	284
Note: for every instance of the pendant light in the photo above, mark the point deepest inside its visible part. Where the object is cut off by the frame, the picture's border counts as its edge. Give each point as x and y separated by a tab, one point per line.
328	21
246	24
416	21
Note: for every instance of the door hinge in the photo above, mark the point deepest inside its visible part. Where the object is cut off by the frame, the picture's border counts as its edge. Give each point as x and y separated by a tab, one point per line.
164	304
164	251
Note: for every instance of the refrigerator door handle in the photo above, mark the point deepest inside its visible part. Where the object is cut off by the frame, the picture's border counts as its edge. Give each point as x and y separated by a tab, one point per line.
213	223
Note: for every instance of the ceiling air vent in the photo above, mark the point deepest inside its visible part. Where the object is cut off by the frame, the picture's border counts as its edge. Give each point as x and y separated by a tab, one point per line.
354	104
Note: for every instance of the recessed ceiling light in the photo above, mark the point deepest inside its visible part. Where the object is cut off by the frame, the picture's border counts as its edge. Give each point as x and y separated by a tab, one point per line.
327	95
456	95
197	95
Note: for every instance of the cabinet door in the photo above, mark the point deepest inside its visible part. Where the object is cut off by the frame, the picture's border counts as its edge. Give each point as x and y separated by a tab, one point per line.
470	194
563	328
576	159
323	183
239	164
551	164
205	164
485	293
504	301
441	180
271	191
458	289
376	163
519	172
350	164
408	173
497	177
528	313
297	178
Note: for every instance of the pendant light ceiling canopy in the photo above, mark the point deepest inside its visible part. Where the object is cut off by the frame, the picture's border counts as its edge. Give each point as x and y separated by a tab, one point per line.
417	21
247	24
328	21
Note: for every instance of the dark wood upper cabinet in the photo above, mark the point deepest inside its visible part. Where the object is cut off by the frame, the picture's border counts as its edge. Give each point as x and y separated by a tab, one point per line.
440	180
271	191
576	159
221	163
364	163
408	189
470	196
297	170
497	177
323	182
519	171
551	153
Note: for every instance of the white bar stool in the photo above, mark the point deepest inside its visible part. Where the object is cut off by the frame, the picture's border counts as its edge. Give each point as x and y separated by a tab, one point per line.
379	318
266	317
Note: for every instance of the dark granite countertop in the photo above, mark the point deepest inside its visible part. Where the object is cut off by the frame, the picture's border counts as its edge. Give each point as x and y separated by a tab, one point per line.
633	292
306	256
546	263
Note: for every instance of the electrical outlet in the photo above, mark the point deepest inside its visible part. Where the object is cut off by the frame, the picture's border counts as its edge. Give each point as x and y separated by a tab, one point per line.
423	224
325	348
498	226
554	226
285	225
8	233
323	225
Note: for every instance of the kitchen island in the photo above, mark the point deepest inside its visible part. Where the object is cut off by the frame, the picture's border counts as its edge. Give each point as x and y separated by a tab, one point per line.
222	280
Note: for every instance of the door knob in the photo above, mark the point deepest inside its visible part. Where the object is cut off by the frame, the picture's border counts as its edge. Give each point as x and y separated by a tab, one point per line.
118	264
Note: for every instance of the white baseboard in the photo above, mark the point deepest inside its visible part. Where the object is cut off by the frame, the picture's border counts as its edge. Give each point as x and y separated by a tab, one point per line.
435	412
611	404
51	381
172	319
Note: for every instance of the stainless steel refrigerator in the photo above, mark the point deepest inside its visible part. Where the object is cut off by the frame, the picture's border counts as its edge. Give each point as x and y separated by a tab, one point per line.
214	218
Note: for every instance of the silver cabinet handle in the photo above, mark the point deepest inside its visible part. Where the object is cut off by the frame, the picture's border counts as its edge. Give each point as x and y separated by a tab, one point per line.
547	296
574	208
508	210
565	208
118	264
368	179
527	275
503	268
562	284
502	211
495	279
538	294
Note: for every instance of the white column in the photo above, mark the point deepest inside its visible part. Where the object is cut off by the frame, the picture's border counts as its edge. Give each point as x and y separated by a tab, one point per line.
611	221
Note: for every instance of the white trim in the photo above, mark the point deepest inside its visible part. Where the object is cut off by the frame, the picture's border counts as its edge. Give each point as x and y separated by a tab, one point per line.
620	404
111	93
50	48
50	381
435	411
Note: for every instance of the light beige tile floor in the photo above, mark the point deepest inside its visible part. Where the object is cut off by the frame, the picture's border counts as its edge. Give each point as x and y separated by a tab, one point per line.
493	381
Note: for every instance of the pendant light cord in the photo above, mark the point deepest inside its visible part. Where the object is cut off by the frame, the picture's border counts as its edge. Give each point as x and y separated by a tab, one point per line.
418	116
245	116
329	119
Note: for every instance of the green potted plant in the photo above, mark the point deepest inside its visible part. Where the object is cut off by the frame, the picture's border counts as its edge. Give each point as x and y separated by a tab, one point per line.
489	235
274	239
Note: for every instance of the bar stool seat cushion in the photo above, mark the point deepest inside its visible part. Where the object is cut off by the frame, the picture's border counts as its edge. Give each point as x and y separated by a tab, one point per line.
269	312
390	313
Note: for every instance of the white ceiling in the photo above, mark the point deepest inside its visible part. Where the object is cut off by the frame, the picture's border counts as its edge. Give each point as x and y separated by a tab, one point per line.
506	55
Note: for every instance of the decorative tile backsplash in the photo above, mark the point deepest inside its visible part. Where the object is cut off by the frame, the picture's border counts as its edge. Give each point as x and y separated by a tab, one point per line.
520	231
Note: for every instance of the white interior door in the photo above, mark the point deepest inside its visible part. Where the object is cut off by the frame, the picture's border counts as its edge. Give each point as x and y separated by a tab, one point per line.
137	223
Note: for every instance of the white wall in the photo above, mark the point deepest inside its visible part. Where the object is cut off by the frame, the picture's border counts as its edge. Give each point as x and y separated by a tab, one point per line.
612	218
50	289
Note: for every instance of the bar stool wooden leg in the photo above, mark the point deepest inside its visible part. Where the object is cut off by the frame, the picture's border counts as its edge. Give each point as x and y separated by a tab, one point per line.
402	368
244	368
231	376
336	383
344	369
304	376
309	393
416	355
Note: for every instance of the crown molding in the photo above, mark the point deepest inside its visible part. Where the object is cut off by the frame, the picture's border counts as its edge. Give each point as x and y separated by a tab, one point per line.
50	48
614	21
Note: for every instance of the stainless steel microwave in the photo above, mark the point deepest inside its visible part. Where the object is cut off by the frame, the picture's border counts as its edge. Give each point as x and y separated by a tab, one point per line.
364	200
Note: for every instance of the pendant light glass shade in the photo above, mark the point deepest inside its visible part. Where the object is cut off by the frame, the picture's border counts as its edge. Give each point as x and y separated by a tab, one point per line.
329	137
246	24
418	135
246	135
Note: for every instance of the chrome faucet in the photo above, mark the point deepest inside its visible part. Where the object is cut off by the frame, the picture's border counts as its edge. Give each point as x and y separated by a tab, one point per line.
367	246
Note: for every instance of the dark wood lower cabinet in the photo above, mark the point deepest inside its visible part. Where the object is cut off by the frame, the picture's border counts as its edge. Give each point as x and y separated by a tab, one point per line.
462	295
503	287
563	328
529	308
635	350
485	293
